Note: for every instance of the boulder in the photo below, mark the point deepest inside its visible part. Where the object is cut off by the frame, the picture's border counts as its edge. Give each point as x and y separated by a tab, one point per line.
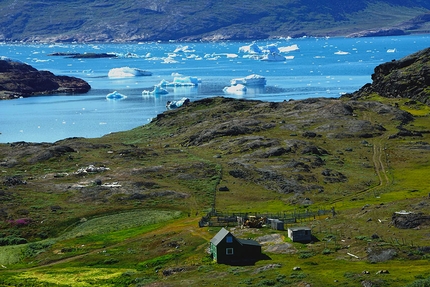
18	79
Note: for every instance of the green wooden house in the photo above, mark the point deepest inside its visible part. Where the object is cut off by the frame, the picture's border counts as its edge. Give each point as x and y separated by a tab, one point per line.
227	249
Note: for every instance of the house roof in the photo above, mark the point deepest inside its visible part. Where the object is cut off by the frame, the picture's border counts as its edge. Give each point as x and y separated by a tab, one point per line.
248	242
224	232
219	236
299	228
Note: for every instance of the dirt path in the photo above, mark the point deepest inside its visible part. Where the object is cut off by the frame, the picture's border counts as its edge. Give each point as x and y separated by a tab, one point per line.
378	152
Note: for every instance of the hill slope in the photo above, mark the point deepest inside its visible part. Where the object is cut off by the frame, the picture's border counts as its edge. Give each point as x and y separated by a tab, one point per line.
148	20
123	209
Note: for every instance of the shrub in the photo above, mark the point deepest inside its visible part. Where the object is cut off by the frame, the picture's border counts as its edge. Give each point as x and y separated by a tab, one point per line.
35	248
12	240
306	254
420	283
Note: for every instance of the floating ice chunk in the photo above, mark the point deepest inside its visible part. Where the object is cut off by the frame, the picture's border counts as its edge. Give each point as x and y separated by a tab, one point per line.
176	104
273	57
287	49
341	53
158	90
272	48
169	60
126	72
251	80
180	82
115	96
250	49
184	49
238	89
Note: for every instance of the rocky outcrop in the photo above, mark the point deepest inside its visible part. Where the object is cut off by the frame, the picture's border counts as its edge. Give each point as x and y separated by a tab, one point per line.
148	20
18	79
408	77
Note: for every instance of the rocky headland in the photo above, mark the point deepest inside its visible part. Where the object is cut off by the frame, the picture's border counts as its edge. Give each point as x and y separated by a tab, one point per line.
18	79
408	78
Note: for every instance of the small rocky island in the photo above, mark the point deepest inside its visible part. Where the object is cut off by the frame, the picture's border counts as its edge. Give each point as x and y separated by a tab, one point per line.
18	79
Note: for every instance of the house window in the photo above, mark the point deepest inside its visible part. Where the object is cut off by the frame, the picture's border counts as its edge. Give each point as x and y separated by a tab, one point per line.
229	239
229	251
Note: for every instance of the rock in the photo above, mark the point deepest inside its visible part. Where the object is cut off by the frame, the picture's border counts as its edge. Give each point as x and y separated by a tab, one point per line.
408	220
408	77
18	79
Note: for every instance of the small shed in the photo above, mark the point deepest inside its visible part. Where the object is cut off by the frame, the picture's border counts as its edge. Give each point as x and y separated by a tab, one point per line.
300	234
227	249
276	224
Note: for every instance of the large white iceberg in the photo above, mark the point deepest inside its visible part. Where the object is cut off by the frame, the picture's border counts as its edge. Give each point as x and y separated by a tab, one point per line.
250	49
125	72
251	80
238	89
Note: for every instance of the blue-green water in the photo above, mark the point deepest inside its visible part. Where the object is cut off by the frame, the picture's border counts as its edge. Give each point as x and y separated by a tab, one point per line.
315	69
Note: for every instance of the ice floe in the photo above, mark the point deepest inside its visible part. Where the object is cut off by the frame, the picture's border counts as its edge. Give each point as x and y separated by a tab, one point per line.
115	96
176	104
238	89
125	72
158	90
181	82
251	80
341	53
273	57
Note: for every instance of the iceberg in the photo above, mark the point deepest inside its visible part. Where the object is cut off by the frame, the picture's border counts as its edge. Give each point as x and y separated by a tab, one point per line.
183	49
250	49
238	89
181	82
115	96
272	48
126	72
158	90
176	104
273	57
341	53
288	48
251	80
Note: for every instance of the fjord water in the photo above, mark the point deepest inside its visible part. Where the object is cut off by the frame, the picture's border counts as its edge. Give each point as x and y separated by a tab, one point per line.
321	67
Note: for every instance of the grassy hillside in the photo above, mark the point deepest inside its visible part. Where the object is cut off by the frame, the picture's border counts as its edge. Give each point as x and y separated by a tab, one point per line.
146	20
123	210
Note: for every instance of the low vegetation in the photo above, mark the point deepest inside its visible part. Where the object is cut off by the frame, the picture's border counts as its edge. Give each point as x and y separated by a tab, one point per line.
134	208
123	210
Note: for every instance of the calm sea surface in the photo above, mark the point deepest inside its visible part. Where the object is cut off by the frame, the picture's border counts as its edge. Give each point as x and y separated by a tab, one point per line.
318	67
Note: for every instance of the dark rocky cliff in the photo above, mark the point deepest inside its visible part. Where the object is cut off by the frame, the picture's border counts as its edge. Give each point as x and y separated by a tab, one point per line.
149	20
408	77
21	80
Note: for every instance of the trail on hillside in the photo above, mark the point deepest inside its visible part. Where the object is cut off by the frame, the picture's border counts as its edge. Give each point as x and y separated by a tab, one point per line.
378	164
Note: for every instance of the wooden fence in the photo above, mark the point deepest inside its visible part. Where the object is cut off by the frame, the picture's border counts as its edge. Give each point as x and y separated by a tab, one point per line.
216	218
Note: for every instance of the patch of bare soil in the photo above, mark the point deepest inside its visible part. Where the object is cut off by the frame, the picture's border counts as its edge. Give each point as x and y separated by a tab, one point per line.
274	243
